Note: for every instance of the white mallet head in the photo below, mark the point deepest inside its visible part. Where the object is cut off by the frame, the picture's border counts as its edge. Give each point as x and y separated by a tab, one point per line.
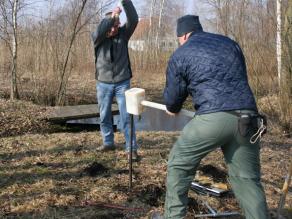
134	98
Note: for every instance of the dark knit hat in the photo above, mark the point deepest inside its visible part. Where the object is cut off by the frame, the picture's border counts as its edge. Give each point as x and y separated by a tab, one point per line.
187	24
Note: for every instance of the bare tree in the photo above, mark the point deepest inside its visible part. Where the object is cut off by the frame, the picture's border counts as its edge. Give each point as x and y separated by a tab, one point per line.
4	36
76	29
153	3
14	90
159	21
4	18
78	24
284	36
223	11
162	17
279	39
288	45
9	34
286	69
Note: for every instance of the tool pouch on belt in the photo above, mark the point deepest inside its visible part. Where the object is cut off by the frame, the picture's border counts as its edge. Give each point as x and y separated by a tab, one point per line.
250	124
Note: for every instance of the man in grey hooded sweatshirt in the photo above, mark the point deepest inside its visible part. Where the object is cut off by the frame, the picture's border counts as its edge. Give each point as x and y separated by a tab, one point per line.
113	71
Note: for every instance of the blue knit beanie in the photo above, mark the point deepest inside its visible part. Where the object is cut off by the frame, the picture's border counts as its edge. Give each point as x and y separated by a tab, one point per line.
187	24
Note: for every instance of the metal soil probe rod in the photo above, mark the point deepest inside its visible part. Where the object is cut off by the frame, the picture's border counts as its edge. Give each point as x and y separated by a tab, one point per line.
131	151
135	100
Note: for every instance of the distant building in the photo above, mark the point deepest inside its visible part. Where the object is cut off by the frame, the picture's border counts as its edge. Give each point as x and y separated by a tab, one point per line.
137	45
141	39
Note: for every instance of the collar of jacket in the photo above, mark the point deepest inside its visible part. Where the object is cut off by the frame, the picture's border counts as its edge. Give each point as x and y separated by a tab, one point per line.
196	32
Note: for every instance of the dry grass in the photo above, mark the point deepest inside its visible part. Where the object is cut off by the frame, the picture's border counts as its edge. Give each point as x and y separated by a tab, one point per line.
46	175
44	169
41	171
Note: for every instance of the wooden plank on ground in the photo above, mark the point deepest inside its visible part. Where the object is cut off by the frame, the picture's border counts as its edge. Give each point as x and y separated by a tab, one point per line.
65	113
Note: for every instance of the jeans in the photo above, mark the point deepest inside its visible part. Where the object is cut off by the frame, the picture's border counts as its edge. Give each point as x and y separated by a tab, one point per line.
105	94
203	134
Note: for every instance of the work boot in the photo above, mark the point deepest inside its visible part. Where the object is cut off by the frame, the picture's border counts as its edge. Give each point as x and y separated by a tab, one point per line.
106	148
156	215
135	156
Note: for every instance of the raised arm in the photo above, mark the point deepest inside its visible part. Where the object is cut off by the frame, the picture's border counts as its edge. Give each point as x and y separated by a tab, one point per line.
132	17
102	29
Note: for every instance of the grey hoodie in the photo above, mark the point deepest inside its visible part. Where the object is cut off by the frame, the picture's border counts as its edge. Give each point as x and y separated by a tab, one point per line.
111	54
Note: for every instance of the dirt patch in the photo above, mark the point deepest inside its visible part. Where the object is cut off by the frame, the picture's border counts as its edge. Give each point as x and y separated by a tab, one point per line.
95	169
152	195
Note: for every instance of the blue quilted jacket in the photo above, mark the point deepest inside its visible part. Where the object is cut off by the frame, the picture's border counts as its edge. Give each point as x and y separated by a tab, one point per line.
211	68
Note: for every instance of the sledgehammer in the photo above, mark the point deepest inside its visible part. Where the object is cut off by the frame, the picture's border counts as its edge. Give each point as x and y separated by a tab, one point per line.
135	100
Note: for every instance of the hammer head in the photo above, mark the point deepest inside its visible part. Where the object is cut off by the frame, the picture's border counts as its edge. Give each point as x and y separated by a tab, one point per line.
134	97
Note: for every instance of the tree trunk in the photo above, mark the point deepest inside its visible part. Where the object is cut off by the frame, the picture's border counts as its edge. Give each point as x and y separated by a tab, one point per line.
285	68
153	3
159	22
287	64
64	79
279	41
14	91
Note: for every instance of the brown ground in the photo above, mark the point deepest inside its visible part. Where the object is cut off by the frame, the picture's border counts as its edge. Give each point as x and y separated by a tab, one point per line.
48	171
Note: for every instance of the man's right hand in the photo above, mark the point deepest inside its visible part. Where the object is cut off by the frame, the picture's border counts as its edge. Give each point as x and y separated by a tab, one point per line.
116	12
170	113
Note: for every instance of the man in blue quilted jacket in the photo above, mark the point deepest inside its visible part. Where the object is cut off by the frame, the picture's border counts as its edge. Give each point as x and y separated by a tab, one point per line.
211	69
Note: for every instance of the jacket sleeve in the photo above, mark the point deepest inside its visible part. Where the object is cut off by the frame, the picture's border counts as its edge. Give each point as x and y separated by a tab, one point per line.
175	91
100	34
132	18
242	58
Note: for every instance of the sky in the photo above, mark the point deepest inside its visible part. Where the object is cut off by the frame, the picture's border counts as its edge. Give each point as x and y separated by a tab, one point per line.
190	4
191	7
136	3
40	8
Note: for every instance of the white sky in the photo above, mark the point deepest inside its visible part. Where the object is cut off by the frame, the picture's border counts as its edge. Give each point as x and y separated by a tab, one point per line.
191	7
39	8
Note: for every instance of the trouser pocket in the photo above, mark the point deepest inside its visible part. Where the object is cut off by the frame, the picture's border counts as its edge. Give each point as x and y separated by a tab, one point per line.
247	124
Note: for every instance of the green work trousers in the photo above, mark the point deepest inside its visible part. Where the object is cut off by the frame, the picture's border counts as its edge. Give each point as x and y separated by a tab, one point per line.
203	134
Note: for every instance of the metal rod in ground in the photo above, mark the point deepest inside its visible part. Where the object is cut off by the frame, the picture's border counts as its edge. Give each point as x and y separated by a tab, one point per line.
131	150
